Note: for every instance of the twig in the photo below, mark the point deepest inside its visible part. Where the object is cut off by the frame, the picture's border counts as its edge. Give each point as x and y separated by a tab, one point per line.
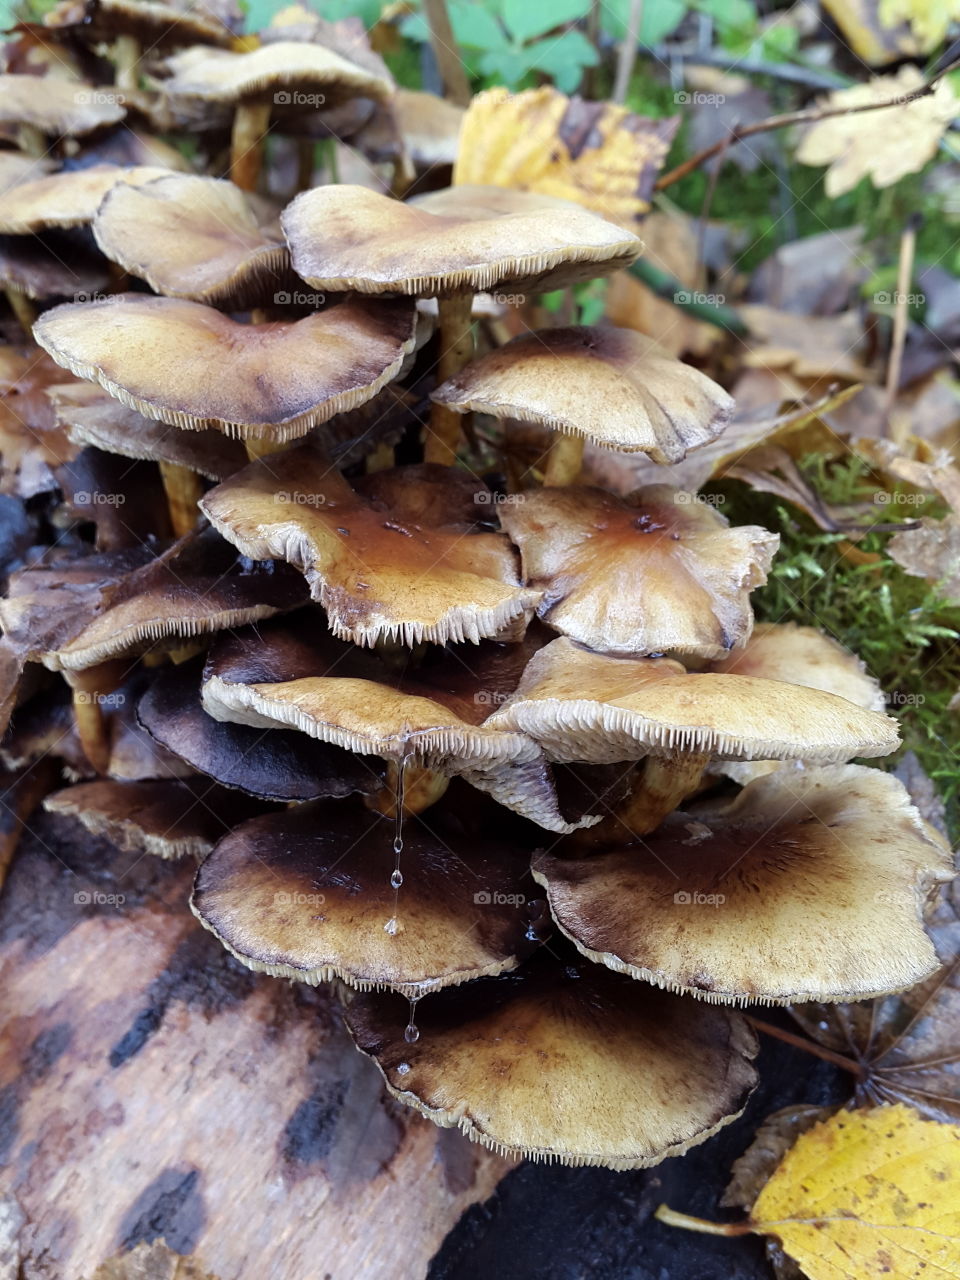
449	62
628	52
670	289
810	116
776	70
908	245
808	1046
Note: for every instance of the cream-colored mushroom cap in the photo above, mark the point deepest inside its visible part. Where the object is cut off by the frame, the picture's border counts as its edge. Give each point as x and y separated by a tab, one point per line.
615	387
564	1062
280	72
461	240
810	885
59	108
66	199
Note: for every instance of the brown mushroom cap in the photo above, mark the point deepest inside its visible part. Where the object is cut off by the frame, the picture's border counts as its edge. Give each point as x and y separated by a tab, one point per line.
592	707
615	387
564	1062
290	673
809	885
65	199
799	655
461	240
280	765
196	587
58	108
161	24
307	894
169	818
656	572
396	559
90	416
272	380
264	74
52	266
192	237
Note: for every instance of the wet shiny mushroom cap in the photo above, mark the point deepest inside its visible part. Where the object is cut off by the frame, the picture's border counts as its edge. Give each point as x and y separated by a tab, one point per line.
809	885
596	708
615	387
63	200
273	380
656	572
195	238
461	240
564	1061
308	894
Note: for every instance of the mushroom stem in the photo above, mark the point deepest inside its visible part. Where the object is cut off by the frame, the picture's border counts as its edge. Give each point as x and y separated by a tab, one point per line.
456	348
422	787
184	490
662	785
127	62
380	458
91	728
22	797
32	140
250	125
22	308
262	447
564	460
306	155
403	175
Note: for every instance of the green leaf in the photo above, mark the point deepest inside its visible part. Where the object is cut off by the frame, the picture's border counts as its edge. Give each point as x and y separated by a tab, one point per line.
729	15
526	19
476	27
563	58
656	22
506	66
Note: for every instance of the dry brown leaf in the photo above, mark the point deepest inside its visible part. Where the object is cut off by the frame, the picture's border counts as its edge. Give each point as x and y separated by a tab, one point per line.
931	551
595	153
882	145
809	346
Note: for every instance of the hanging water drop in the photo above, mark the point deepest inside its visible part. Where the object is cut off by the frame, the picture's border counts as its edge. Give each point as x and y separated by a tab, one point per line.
411	1033
396	879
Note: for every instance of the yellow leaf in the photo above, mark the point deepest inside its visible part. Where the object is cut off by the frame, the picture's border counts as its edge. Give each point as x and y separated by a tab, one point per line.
929	20
595	153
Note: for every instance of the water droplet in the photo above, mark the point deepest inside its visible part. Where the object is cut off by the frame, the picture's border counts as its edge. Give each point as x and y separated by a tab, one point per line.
396	879
398	845
403	1068
393	926
411	1033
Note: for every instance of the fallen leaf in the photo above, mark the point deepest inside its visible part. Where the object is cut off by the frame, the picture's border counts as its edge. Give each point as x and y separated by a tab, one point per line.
809	346
928	20
151	1262
595	153
882	145
771	469
932	552
816	275
871	39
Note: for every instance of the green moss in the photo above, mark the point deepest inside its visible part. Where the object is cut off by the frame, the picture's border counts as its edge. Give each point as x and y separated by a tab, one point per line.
899	625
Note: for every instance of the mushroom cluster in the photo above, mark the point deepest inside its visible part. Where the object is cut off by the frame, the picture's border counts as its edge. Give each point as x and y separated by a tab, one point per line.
510	764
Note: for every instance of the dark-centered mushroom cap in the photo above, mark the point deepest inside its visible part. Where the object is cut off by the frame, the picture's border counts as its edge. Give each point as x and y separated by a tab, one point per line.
292	674
58	108
810	885
461	240
615	387
596	708
272	380
160	24
653	573
52	266
307	894
564	1062
216	75
90	416
170	818
192	237
196	587
377	564
65	199
280	765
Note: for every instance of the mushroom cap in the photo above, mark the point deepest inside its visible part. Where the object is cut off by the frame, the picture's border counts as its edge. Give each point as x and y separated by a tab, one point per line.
400	562
52	266
169	818
92	417
65	199
461	240
564	1062
281	765
196	587
192	237
274	380
59	108
16	168
161	24
799	655
291	673
307	894
216	75
596	708
615	387
656	572
809	885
